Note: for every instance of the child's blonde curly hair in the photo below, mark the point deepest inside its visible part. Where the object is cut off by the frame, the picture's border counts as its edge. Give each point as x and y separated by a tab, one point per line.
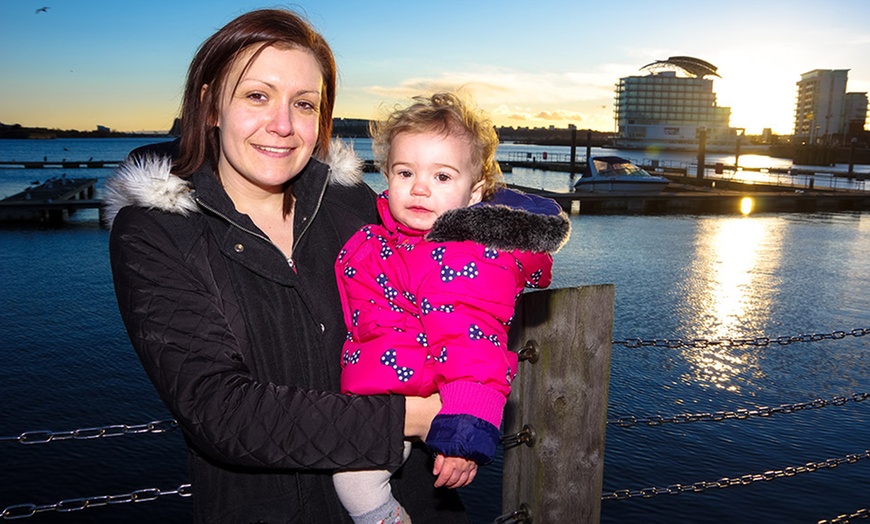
449	114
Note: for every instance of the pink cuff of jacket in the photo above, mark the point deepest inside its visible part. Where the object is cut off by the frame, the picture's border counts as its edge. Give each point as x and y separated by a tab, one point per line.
472	398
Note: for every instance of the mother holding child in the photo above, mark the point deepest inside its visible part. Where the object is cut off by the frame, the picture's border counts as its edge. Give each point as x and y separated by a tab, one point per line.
223	251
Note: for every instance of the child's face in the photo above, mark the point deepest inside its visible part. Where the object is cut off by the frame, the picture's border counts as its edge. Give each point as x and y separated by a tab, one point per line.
430	173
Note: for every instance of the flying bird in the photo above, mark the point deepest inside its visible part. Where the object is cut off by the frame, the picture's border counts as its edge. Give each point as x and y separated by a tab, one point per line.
42	10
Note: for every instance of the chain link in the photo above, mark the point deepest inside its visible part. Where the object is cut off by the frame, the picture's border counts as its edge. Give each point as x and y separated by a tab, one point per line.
45	436
737	342
738	414
20	511
847	518
524	514
745	480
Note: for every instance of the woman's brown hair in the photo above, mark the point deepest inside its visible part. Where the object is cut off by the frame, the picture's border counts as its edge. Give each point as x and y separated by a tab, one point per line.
200	142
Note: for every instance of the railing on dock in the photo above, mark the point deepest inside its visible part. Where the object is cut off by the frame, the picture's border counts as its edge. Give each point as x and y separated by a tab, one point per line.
555	421
64	164
818	178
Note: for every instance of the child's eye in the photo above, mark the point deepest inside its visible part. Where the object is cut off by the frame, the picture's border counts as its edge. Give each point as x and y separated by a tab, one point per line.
442	177
404	173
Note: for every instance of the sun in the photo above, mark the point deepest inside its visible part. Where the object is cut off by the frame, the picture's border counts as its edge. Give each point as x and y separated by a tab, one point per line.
759	98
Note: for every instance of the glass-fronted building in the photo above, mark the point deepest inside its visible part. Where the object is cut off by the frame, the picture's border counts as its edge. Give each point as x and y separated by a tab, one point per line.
664	109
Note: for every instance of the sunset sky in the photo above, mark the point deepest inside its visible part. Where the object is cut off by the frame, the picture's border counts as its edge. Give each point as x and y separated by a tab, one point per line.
548	63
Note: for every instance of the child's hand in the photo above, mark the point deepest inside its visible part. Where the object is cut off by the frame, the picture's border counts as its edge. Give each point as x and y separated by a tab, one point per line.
454	472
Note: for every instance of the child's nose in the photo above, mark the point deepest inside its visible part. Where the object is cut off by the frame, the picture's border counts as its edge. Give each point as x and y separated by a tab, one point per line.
420	188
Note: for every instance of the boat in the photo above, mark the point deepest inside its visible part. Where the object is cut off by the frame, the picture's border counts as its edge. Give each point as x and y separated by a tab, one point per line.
612	174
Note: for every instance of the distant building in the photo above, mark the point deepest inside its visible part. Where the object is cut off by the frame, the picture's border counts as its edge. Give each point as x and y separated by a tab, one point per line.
855	114
350	127
821	105
103	129
175	130
665	110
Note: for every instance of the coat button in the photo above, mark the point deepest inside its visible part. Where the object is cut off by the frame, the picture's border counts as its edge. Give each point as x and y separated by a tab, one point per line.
239	248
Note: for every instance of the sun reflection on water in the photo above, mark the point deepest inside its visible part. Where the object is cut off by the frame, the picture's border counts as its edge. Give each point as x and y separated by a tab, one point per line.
730	288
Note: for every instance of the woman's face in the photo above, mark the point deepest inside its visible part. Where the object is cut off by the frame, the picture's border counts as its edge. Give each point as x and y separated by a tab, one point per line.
269	124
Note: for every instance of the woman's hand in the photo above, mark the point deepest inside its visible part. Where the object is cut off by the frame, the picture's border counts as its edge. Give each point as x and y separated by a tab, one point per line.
454	472
419	412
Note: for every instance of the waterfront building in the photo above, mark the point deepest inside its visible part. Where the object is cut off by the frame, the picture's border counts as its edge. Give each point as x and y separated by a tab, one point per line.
821	106
855	115
666	107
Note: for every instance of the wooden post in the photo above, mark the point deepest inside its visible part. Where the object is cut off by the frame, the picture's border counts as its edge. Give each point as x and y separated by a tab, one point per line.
573	168
588	148
561	399
852	156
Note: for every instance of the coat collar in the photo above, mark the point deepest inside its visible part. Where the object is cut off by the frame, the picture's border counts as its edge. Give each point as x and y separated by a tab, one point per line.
146	180
508	220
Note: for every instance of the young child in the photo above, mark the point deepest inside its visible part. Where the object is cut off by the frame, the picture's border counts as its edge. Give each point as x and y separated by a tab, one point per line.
429	295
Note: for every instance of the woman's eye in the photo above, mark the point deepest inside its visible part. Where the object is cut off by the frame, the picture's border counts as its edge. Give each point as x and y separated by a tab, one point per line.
307	106
257	97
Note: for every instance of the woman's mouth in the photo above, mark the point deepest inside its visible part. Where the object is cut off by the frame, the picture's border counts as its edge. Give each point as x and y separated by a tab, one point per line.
274	150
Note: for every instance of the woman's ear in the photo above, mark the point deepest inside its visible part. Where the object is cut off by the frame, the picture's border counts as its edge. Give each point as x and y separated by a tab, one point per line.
202	92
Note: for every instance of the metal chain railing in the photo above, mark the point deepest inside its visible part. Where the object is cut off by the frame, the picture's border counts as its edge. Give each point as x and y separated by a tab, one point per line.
737	342
725	482
20	511
525	436
524	514
116	430
847	518
628	421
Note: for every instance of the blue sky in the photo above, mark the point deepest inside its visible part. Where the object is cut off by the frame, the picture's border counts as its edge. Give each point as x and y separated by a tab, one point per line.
552	62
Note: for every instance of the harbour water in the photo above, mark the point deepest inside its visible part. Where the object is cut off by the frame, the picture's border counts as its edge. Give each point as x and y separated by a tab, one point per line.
66	363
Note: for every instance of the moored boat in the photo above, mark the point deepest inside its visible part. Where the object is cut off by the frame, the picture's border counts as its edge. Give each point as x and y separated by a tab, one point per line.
613	174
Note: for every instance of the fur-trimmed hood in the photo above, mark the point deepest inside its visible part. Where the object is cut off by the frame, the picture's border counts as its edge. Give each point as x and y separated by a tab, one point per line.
145	180
508	220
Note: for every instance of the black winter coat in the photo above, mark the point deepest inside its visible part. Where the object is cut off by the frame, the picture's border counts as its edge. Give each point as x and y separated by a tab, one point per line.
244	351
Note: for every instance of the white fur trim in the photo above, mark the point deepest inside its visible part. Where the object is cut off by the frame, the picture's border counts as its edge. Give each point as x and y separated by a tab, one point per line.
344	165
147	182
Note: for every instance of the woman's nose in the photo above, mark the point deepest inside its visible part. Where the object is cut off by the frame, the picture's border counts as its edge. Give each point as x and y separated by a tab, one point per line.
281	121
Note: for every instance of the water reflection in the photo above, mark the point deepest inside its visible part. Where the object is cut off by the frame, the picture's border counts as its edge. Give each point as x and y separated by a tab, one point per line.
730	288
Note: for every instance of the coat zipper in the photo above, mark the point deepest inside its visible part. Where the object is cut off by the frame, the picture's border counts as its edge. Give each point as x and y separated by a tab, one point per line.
239	226
314	213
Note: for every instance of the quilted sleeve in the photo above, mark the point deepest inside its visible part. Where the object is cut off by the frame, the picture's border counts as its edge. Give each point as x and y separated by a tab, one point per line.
178	327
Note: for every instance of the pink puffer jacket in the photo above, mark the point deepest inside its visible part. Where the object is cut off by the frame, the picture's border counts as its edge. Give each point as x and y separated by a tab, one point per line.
430	311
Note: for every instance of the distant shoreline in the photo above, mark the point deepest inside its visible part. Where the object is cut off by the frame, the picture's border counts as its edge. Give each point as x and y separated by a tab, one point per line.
342	127
19	132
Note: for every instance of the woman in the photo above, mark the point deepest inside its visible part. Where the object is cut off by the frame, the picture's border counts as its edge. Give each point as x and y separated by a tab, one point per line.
223	268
